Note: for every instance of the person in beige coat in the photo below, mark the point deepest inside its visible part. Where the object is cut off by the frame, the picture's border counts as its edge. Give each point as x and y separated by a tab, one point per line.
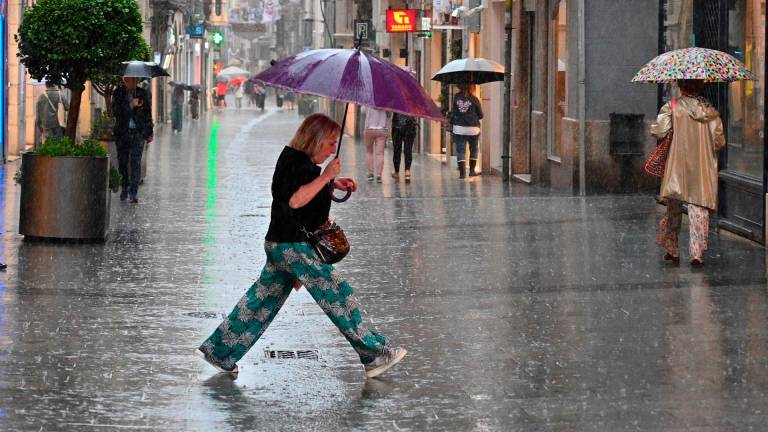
690	174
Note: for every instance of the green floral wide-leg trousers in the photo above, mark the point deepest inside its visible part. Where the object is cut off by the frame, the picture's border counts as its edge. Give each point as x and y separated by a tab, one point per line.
286	263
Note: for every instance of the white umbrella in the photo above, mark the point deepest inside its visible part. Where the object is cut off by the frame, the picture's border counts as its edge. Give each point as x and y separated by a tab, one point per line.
470	70
234	71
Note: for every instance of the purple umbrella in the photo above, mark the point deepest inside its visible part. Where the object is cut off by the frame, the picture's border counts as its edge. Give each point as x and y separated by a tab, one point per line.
352	76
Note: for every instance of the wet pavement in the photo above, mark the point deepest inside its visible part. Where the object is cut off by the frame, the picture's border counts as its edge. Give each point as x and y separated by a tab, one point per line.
521	310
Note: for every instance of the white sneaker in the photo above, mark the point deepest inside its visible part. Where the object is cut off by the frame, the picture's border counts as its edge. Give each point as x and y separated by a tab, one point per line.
385	361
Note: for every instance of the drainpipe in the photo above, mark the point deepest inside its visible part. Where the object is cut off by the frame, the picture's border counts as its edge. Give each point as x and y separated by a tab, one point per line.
507	109
582	102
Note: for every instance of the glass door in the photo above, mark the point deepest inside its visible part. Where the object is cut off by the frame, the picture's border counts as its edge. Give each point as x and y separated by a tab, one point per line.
741	178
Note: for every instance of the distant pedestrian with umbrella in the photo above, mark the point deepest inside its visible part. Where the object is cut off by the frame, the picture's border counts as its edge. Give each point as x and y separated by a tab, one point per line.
301	201
132	109
465	125
693	131
466	111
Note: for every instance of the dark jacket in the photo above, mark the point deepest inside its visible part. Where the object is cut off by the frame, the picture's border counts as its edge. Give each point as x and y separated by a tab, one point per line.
402	121
142	116
466	111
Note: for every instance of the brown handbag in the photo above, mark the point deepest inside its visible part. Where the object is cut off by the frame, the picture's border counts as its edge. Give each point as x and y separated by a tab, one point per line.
657	161
329	242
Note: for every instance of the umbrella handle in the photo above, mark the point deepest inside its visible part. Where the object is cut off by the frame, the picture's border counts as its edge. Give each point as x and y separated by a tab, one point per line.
342	199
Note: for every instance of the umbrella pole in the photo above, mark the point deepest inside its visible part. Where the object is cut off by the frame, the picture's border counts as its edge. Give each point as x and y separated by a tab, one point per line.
341	134
338	151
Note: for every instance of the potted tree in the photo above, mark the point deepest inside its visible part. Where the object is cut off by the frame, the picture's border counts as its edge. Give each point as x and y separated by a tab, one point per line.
64	193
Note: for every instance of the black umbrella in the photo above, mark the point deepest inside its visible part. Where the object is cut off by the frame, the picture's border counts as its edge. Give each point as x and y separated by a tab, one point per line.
141	69
470	71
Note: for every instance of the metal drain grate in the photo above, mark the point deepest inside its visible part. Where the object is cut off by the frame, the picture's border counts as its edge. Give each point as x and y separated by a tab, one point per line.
285	354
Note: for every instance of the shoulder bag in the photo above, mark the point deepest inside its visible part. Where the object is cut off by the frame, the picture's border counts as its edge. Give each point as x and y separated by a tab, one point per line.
329	242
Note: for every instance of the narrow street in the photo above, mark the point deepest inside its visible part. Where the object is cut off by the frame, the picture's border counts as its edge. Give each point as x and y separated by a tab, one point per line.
521	310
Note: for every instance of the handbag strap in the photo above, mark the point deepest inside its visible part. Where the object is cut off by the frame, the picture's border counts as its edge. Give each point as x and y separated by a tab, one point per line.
49	102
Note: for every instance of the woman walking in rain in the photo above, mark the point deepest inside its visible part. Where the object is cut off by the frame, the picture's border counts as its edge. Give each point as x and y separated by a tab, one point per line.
301	199
690	174
465	118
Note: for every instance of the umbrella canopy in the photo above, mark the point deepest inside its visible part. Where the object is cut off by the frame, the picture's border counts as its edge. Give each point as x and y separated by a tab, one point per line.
351	75
234	71
141	69
693	63
470	71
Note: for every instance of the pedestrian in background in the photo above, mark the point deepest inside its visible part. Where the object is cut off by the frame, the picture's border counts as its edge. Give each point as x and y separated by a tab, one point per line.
290	99
248	88
403	135
375	137
50	112
261	95
177	108
194	104
221	93
132	110
690	174
301	199
239	93
279	99
465	120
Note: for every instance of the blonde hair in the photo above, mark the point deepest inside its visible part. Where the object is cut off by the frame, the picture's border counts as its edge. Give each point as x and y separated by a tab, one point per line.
314	129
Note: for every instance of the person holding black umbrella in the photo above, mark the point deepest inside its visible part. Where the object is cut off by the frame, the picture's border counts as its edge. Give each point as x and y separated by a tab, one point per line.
132	109
465	121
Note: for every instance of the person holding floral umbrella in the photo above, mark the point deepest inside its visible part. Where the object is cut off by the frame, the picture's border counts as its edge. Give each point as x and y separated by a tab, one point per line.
690	174
690	169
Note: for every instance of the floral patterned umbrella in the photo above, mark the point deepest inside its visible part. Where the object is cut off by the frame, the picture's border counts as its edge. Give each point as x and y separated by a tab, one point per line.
693	63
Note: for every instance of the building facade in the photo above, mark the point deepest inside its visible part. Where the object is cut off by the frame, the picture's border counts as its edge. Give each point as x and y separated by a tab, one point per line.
571	86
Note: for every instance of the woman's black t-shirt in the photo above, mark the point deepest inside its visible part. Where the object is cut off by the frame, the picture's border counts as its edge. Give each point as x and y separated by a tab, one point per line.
295	169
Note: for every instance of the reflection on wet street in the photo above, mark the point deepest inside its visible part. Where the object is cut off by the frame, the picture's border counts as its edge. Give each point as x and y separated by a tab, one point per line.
521	310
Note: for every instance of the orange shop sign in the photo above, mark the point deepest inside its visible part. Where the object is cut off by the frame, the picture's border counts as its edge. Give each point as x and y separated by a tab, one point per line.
401	20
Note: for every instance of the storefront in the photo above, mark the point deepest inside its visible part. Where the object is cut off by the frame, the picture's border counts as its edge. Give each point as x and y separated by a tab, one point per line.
737	27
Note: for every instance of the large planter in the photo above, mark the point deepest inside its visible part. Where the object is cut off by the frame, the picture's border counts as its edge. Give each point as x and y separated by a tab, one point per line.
64	197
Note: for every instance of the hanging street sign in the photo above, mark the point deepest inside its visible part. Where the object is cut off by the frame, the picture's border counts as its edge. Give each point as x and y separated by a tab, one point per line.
196	31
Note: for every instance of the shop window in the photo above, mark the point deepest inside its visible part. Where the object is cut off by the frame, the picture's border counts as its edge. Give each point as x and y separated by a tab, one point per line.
746	110
558	80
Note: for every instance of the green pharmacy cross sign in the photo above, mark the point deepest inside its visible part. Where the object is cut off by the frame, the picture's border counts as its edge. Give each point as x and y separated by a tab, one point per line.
217	38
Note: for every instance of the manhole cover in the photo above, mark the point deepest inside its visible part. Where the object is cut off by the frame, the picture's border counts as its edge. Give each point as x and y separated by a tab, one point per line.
205	315
287	354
